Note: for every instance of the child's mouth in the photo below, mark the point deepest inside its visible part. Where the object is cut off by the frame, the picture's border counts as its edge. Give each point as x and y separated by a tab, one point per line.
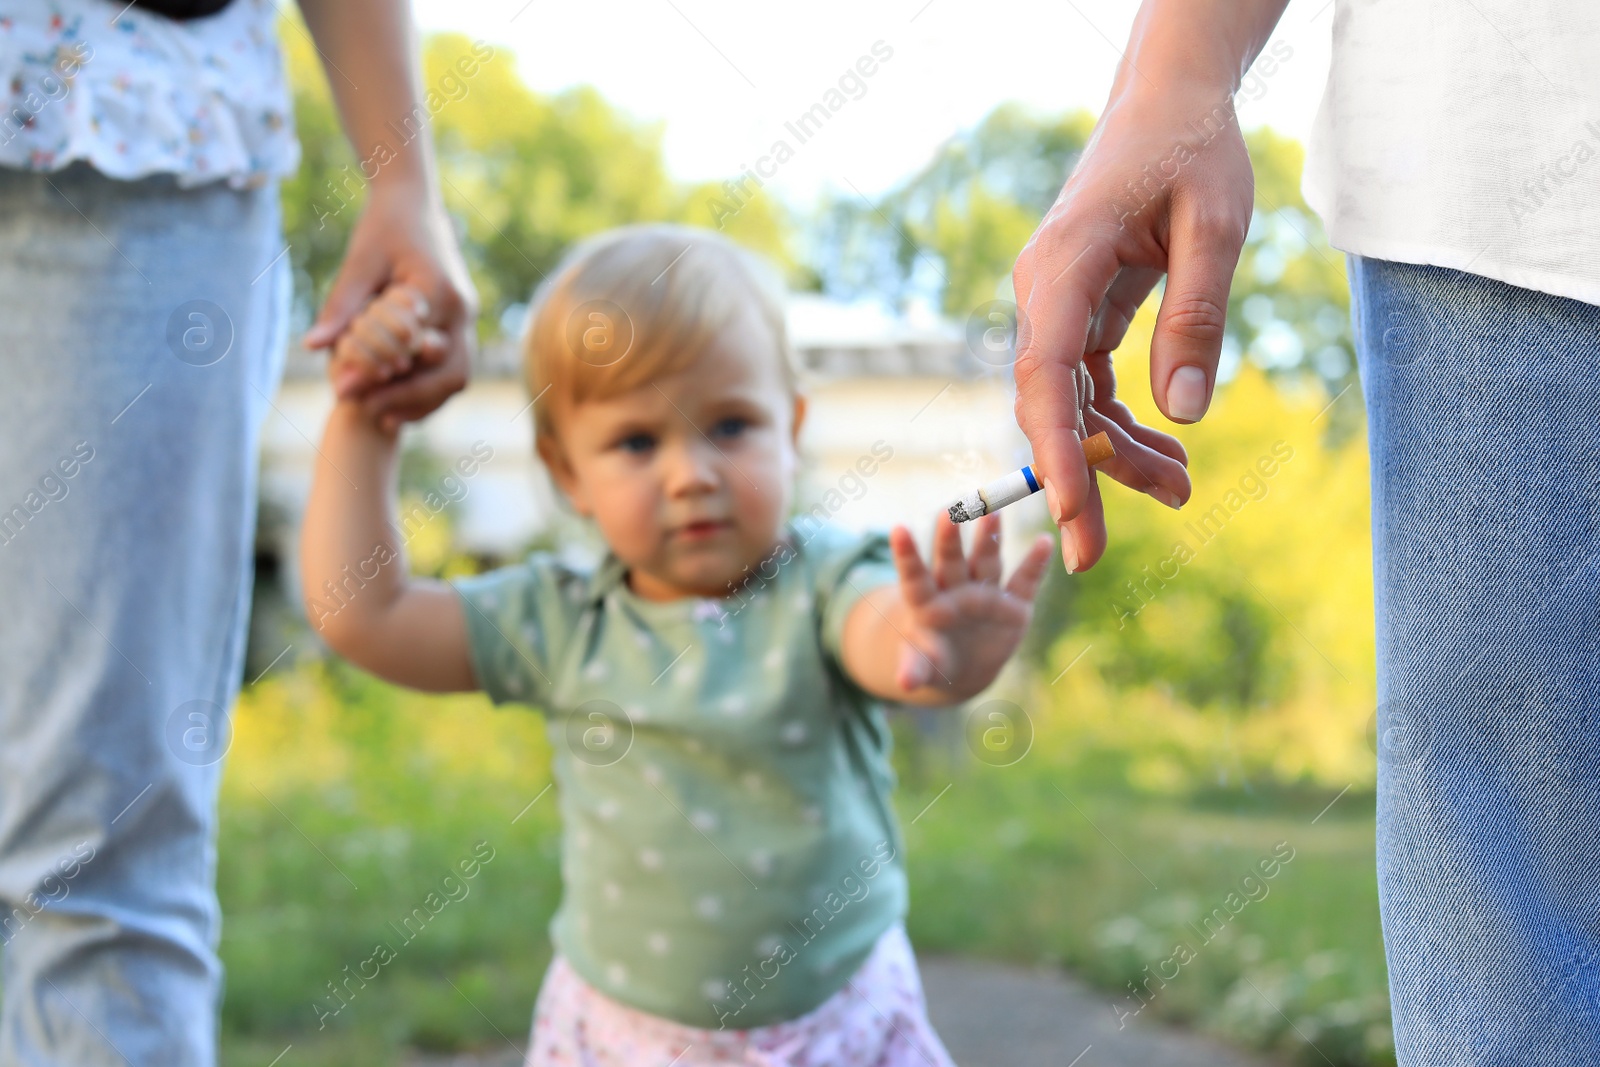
695	531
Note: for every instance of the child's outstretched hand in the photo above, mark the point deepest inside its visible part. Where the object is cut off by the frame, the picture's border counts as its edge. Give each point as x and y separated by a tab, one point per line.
384	341
959	624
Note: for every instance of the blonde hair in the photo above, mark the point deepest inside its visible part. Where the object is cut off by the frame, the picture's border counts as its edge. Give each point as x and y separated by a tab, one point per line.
638	303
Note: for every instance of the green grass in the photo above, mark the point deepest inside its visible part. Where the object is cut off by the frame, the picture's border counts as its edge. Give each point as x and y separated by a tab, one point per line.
1018	863
318	868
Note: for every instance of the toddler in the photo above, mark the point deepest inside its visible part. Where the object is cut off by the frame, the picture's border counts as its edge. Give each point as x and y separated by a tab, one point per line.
733	885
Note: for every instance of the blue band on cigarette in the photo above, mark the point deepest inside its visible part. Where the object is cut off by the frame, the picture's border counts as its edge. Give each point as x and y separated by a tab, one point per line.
1027	473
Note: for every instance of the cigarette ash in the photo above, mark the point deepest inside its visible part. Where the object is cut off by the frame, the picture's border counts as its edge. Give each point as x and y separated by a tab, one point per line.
968	508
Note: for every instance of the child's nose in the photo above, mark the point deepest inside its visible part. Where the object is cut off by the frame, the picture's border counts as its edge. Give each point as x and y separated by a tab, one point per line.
693	467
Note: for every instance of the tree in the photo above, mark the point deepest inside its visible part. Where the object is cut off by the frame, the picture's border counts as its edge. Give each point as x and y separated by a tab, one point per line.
951	232
523	175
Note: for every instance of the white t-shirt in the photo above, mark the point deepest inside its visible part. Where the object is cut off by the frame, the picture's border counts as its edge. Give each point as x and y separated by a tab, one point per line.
1465	134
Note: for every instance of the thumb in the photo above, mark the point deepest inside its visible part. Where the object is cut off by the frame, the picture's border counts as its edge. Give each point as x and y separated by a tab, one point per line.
351	291
1187	341
913	670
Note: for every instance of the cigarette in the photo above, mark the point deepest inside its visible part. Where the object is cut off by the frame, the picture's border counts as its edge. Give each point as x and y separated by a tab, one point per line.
1020	484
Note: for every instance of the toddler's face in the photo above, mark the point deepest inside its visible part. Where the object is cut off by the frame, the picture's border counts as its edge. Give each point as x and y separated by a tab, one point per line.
689	476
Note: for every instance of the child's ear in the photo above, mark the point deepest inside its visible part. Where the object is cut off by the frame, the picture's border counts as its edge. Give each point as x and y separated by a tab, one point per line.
561	472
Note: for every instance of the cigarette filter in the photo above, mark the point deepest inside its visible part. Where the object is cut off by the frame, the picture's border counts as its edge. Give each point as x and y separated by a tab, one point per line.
1019	484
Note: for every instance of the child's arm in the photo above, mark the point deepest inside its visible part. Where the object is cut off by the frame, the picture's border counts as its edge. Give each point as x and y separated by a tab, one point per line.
941	636
358	592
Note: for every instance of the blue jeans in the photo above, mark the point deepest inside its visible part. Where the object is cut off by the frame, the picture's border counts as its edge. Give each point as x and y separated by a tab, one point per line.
141	335
1483	403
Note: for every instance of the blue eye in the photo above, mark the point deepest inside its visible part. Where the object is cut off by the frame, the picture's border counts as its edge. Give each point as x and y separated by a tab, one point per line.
637	443
731	426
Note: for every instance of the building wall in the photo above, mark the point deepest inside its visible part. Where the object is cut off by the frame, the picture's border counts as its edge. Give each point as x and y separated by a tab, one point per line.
946	418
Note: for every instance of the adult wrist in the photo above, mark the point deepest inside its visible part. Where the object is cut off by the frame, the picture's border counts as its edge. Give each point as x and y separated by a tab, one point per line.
1195	46
408	175
1184	75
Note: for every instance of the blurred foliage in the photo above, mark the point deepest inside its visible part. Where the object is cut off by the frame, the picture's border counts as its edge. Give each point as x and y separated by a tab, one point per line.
1036	863
950	234
1289	307
1229	643
346	802
523	175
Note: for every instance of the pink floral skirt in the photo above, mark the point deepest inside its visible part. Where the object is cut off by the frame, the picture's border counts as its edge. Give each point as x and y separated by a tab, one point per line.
879	1019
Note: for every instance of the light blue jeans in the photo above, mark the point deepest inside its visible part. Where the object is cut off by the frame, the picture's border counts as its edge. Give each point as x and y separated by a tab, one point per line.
1483	402
141	337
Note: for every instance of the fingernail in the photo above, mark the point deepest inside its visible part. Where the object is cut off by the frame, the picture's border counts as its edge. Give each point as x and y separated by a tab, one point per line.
1186	393
1170	499
1053	502
1069	555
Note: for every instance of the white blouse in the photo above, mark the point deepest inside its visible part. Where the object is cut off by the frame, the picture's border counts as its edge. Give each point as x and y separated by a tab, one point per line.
1465	135
135	93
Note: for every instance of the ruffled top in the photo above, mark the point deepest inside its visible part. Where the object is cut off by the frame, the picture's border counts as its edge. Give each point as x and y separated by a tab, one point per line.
135	93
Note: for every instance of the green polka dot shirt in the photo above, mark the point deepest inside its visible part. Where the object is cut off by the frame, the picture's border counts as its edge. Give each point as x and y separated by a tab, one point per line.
730	855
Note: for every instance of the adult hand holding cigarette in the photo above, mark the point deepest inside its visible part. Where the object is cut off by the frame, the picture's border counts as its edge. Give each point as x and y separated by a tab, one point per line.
1099	252
1020	484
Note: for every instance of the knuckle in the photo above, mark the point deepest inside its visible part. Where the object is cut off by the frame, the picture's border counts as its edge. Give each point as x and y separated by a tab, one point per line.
1022	269
1195	316
1019	406
1025	408
1029	364
1215	222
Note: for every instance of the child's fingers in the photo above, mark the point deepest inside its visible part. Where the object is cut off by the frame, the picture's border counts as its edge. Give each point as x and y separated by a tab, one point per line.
398	314
376	334
381	341
345	376
1024	583
986	549
432	347
916	583
352	362
949	565
407	297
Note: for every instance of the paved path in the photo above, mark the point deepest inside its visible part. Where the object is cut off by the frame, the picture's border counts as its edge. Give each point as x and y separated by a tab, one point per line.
996	1015
999	1015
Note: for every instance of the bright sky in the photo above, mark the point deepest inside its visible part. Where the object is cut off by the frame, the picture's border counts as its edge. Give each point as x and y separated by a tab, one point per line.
726	75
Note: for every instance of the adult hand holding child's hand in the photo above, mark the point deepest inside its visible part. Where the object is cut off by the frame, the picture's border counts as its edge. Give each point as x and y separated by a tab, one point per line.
403	238
386	341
